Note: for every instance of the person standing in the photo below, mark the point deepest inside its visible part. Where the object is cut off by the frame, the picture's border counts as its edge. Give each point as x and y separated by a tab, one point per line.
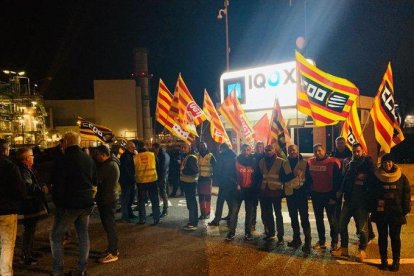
206	162
108	176
146	178
243	191
127	181
34	206
189	173
273	171
297	200
162	172
356	193
391	197
73	179
257	156
224	175
322	180
12	192
174	171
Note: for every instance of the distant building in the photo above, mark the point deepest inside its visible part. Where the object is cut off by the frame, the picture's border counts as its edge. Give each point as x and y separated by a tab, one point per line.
117	104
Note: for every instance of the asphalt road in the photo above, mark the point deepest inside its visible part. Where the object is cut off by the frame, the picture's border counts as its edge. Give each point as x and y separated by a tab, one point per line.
166	249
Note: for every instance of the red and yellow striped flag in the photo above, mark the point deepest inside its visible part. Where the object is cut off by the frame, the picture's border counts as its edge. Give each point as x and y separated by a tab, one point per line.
279	135
388	132
164	101
326	98
233	112
217	131
184	109
351	130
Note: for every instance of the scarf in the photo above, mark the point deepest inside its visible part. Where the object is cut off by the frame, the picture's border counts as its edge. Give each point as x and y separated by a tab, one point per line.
388	177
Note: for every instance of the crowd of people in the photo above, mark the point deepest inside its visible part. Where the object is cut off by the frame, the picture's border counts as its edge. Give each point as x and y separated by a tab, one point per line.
345	185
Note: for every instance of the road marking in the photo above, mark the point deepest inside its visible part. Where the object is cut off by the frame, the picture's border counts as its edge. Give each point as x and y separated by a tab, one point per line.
375	261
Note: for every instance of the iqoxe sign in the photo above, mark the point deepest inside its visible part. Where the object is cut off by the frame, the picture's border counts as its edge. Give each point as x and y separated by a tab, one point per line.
257	87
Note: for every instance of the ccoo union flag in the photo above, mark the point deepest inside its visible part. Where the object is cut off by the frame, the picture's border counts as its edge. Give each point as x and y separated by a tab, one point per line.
351	130
388	132
326	98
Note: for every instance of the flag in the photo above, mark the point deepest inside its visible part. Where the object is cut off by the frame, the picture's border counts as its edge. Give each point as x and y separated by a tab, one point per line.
217	130
89	130
351	130
164	101
388	132
326	98
261	129
233	112
184	109
278	134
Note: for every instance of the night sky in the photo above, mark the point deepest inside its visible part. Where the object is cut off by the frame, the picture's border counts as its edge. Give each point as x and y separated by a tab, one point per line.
64	45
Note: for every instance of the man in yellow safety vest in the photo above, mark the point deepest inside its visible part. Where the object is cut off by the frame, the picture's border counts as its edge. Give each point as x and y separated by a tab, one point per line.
146	178
206	163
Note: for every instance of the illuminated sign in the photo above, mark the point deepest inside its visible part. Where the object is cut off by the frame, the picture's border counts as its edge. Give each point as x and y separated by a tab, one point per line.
256	88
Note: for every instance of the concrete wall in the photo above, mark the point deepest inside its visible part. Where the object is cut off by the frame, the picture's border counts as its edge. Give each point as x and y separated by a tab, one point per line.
116	106
65	112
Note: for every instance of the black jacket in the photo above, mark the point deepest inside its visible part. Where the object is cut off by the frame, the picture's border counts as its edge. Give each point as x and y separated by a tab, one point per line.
225	171
108	176
391	198
363	167
163	164
72	180
12	188
34	205
127	169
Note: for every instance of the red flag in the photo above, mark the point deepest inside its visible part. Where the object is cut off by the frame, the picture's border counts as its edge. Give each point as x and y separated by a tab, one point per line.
261	129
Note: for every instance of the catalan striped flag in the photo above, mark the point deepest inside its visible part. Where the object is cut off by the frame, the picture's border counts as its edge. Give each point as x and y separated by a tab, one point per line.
89	130
164	101
279	134
217	130
184	109
388	132
351	130
326	98
233	112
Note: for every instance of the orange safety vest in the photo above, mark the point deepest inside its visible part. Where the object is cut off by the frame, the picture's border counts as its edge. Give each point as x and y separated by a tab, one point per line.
145	167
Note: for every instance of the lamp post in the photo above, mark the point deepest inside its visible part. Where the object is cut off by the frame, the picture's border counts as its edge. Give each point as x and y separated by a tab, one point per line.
221	13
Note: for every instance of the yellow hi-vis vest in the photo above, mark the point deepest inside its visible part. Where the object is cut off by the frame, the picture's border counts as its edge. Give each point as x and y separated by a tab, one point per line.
188	178
145	170
206	170
271	177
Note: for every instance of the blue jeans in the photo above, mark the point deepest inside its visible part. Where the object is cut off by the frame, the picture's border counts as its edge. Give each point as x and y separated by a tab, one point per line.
127	198
190	197
361	217
63	219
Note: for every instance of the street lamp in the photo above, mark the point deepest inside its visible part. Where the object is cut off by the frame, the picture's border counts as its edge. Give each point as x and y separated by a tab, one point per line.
220	14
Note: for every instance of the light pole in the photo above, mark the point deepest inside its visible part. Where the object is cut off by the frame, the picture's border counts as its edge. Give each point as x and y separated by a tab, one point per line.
221	13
